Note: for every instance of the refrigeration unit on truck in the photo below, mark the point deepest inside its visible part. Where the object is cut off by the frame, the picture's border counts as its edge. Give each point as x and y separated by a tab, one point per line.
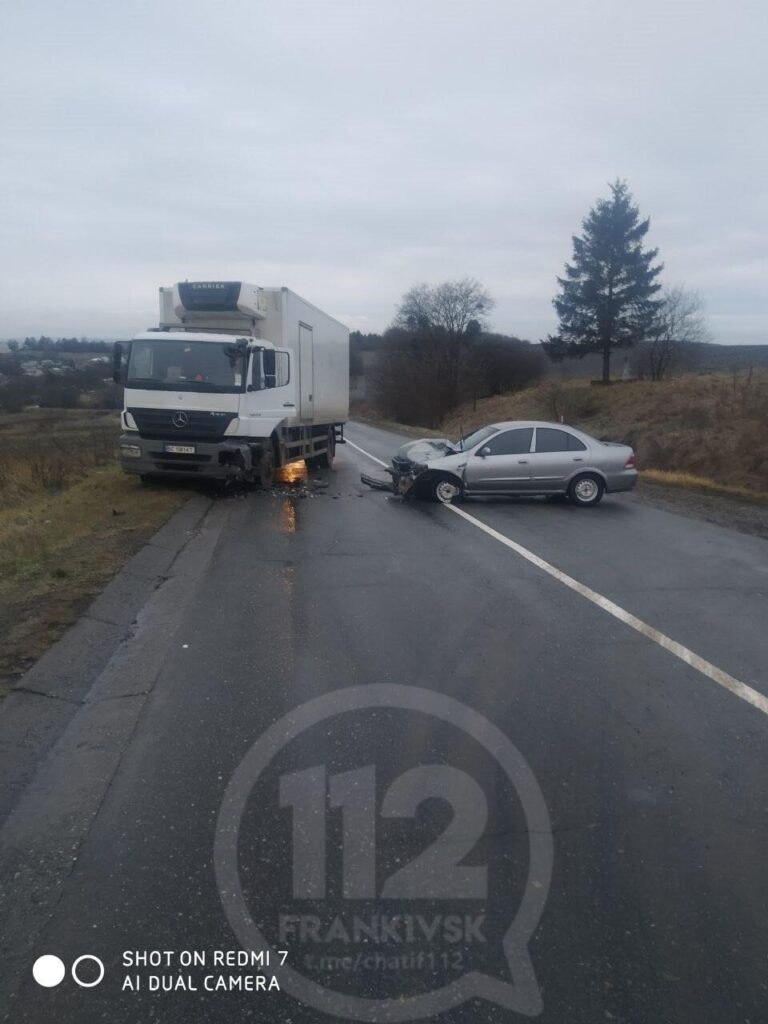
235	381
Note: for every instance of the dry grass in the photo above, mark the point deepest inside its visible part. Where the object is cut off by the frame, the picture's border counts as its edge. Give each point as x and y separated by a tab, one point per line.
69	518
45	451
703	484
711	427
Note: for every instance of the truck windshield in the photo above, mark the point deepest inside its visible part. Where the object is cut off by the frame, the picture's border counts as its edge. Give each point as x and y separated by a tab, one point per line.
175	365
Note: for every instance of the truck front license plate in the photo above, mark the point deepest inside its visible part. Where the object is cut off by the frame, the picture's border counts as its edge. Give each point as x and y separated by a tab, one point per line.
180	449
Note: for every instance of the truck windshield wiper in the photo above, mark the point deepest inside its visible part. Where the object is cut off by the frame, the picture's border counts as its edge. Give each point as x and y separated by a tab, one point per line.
177	385
144	382
202	385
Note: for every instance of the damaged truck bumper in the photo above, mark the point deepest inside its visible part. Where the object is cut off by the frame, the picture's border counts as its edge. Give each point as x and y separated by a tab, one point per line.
217	460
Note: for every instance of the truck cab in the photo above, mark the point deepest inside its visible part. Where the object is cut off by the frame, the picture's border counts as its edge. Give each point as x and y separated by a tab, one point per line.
207	396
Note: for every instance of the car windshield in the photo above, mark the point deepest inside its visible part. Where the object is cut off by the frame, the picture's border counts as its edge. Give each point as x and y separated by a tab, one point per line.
464	445
175	365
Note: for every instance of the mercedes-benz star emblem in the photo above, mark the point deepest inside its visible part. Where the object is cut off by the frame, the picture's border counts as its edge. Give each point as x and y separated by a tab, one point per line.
180	419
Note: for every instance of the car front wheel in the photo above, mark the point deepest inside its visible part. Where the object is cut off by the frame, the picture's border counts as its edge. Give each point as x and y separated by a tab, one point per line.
445	490
586	490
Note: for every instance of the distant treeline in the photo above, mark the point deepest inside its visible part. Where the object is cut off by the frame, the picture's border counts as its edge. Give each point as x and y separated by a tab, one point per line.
46	344
63	386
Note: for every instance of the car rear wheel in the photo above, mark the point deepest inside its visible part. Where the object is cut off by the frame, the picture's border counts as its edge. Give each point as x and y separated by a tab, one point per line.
445	490
586	490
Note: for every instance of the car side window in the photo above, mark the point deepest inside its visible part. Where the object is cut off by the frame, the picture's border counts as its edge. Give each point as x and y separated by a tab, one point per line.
548	439
511	442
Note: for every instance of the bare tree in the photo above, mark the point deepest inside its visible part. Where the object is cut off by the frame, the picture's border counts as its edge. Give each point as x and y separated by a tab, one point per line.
408	381
449	316
449	307
680	323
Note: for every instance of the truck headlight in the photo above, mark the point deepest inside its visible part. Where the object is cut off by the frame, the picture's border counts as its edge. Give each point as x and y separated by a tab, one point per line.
130	451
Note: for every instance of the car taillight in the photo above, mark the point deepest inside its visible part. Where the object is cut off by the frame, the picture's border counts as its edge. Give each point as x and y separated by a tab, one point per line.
630	463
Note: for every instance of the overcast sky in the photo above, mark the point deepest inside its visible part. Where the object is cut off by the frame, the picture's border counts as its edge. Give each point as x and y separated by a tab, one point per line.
351	149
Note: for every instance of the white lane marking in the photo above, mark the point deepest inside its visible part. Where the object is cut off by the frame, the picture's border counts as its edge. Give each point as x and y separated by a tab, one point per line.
717	675
364	452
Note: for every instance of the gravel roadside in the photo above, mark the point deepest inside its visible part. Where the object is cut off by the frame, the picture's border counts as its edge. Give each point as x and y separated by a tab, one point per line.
742	515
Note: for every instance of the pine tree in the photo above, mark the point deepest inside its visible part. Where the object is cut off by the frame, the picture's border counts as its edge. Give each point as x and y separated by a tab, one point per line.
606	298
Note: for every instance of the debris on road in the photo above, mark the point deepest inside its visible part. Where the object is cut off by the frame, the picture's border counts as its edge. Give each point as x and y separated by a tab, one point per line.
378	483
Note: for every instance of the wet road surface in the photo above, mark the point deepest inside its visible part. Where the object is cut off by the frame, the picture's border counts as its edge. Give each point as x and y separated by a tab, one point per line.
503	757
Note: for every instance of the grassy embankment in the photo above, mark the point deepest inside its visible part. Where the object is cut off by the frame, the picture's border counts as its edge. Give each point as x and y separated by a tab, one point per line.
69	519
706	432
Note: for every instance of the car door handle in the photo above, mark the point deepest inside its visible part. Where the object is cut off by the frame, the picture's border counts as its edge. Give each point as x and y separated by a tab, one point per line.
579	459
523	462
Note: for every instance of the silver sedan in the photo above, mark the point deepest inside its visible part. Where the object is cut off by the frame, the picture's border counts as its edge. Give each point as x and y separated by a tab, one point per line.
520	457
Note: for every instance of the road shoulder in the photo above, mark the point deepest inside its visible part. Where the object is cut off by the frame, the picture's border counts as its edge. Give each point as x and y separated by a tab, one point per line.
44	701
719	509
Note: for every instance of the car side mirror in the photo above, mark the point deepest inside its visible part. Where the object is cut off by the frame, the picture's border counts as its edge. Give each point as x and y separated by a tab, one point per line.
484	452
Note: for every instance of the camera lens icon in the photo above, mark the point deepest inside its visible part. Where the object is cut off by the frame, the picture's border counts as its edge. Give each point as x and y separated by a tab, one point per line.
84	959
49	970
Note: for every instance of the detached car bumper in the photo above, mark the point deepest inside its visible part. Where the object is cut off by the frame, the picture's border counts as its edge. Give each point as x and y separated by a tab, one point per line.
396	482
211	459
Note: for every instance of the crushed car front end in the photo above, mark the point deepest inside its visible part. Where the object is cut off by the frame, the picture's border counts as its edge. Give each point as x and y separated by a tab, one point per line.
405	472
415	465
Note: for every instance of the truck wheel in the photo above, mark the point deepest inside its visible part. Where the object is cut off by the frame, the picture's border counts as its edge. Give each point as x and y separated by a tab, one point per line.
445	490
586	490
266	469
325	461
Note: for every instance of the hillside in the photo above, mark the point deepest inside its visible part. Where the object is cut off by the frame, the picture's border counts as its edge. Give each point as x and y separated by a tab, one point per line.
694	357
709	425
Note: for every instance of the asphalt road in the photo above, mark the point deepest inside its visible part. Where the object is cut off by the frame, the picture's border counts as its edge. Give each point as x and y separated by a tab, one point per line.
567	774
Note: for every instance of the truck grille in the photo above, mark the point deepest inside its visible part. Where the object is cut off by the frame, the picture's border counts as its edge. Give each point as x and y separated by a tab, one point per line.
168	424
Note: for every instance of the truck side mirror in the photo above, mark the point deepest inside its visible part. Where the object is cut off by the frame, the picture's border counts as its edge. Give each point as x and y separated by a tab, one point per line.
117	363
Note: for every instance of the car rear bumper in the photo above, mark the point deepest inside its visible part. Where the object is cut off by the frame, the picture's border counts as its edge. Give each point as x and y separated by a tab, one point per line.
625	480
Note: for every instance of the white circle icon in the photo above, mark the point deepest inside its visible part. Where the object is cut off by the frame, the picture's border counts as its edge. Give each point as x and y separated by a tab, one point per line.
48	971
87	984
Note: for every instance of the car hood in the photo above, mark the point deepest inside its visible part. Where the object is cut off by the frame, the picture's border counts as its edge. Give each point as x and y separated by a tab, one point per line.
425	450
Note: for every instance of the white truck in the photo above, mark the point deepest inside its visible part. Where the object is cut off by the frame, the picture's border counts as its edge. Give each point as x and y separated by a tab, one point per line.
236	381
